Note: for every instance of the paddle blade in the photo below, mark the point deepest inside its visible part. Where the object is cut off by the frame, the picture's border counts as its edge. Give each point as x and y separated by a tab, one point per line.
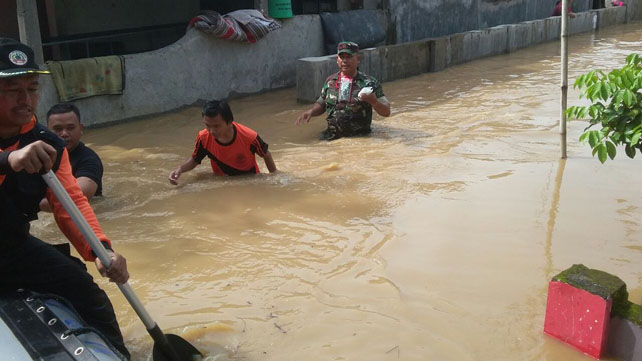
183	349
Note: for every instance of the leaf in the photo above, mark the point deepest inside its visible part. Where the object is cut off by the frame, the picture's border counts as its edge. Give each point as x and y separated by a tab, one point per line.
573	112
635	139
593	91
630	77
604	91
593	138
601	153
582	113
579	82
584	137
632	59
630	151
628	97
617	99
610	150
616	137
590	78
626	82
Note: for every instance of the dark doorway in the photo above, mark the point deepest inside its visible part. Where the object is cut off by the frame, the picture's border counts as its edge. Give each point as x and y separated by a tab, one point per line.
225	6
313	6
599	4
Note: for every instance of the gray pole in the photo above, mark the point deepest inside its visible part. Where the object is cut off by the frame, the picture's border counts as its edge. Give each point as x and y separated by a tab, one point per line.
29	27
564	86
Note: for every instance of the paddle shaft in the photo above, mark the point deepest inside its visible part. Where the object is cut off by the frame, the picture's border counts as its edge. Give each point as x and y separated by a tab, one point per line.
100	251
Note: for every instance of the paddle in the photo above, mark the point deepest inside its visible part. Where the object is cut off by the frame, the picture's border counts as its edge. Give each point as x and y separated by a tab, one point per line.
166	347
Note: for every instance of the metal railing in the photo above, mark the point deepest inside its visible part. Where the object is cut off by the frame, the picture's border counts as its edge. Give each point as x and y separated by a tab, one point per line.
112	42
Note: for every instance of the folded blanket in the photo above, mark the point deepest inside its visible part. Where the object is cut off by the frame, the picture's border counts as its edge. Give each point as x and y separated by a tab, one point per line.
82	78
240	25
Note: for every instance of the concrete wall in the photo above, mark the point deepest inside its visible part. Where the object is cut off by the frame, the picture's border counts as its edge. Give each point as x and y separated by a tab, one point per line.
435	54
199	67
420	19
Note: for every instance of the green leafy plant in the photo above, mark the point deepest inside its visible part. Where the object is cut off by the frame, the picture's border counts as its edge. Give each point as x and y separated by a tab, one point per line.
616	100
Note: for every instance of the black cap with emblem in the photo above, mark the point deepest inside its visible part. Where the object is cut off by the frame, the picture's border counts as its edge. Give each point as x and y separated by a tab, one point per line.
17	59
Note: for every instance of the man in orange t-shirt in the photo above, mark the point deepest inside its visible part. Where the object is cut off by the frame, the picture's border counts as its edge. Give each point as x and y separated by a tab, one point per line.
230	146
26	149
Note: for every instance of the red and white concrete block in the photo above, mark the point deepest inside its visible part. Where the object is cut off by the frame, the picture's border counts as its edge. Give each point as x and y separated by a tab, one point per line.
589	310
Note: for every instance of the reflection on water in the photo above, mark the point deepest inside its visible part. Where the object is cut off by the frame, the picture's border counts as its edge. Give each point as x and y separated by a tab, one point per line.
433	238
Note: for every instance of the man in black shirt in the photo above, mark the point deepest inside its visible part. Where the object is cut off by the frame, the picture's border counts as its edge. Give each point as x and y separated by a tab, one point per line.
64	120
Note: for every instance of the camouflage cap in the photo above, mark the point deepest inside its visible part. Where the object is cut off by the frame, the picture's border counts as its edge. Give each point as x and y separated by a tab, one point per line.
347	47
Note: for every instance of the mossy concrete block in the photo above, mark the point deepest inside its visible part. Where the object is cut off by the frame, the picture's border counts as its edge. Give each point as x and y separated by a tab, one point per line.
629	311
596	282
580	305
625	338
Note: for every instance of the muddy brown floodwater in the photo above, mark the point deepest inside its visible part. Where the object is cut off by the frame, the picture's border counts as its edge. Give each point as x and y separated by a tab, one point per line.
432	239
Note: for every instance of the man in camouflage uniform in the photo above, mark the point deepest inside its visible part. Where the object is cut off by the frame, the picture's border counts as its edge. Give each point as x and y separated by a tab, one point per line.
348	97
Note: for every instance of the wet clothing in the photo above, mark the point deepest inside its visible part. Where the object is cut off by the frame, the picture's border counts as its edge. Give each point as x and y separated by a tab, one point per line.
346	114
86	163
27	262
558	9
233	158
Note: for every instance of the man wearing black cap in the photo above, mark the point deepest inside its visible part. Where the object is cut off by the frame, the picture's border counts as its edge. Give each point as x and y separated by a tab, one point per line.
26	149
348	97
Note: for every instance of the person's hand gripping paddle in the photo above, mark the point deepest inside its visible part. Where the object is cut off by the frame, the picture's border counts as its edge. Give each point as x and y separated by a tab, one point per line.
166	346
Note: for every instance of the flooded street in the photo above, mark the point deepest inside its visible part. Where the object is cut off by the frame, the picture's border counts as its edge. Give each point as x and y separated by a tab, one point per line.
432	239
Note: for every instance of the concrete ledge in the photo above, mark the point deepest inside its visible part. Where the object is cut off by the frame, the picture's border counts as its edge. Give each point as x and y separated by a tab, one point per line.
520	36
456	49
583	22
633	10
311	74
539	30
493	41
610	16
403	60
552	28
434	54
439	52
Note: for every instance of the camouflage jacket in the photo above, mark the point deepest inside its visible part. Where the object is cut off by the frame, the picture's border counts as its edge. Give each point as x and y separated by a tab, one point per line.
352	117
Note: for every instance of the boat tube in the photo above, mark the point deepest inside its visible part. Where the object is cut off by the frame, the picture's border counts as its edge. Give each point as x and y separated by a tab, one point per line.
46	327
